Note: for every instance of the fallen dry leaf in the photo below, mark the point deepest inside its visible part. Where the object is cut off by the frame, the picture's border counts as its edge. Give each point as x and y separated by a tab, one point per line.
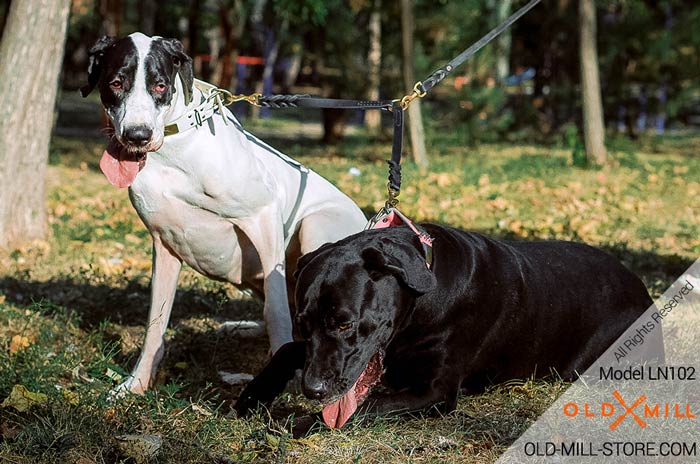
312	441
110	413
201	410
140	448
22	399
18	342
8	431
70	397
84	460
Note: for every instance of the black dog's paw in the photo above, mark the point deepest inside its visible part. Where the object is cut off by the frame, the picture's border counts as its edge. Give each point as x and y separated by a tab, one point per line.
271	381
247	403
259	392
303	426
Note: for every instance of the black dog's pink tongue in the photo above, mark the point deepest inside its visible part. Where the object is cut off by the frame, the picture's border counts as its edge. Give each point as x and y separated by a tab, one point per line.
336	414
119	166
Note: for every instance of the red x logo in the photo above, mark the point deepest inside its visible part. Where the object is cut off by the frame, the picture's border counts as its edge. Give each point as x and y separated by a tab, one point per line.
628	410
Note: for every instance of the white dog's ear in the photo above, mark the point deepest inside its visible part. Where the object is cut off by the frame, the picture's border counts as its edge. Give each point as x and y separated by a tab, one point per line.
183	64
404	261
95	56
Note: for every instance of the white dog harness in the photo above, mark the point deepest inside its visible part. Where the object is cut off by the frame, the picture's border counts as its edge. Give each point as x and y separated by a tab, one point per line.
215	99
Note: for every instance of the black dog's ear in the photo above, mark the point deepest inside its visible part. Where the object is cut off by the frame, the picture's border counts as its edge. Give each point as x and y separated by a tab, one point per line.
403	261
183	64
308	257
95	55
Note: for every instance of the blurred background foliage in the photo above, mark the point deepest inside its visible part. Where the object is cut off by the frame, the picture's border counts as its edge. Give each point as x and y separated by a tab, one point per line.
649	57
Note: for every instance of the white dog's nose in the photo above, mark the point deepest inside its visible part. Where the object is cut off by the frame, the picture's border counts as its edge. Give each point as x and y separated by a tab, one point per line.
138	135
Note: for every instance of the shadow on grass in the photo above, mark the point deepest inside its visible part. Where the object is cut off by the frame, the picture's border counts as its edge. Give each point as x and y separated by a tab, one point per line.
126	305
195	350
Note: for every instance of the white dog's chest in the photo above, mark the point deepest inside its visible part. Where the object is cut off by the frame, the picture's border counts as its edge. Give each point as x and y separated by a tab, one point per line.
195	223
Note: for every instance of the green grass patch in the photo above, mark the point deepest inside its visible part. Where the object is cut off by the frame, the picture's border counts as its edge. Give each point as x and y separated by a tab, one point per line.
73	307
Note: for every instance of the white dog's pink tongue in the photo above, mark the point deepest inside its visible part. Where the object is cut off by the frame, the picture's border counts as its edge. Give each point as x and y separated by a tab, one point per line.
119	166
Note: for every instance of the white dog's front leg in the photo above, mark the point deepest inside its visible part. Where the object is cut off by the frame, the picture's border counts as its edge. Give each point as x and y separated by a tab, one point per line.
265	233
166	268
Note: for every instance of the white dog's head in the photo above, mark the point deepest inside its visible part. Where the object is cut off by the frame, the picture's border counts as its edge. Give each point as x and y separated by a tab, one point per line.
136	77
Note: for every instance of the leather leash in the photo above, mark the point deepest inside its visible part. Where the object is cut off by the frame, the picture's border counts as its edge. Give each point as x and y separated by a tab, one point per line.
389	215
397	107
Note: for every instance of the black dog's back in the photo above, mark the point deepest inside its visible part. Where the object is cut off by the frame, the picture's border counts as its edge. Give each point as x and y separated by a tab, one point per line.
538	305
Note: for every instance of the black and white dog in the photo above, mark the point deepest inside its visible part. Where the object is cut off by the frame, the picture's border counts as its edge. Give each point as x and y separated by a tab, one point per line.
368	307
211	194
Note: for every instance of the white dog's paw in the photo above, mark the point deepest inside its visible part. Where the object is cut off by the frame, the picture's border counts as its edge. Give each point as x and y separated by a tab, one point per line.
238	378
121	390
128	387
243	329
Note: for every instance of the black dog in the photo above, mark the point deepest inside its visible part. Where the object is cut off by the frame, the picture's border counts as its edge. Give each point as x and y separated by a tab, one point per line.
487	311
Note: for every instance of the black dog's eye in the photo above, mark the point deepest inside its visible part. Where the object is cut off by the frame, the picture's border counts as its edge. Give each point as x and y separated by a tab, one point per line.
116	84
345	326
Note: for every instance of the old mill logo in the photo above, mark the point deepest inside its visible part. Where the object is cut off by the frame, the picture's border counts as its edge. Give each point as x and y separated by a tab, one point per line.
639	411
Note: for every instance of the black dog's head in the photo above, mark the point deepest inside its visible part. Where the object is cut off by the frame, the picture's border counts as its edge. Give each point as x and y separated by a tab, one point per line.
351	297
136	77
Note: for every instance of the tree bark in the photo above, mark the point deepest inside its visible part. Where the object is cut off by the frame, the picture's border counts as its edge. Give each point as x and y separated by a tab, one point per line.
593	128
193	25
31	53
111	13
147	16
232	22
503	42
373	118
271	54
415	120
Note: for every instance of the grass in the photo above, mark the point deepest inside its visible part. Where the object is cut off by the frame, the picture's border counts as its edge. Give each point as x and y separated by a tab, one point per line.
73	307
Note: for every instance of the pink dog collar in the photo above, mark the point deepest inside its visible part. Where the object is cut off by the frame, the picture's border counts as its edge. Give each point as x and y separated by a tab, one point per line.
392	217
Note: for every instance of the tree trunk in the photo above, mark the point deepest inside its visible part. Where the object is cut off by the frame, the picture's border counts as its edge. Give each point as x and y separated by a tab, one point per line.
503	42
223	72
415	119
193	22
294	66
147	16
31	53
232	21
373	118
111	13
593	128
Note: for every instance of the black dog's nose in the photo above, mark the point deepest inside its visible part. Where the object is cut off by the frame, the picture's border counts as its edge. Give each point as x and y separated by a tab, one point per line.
315	389
138	135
